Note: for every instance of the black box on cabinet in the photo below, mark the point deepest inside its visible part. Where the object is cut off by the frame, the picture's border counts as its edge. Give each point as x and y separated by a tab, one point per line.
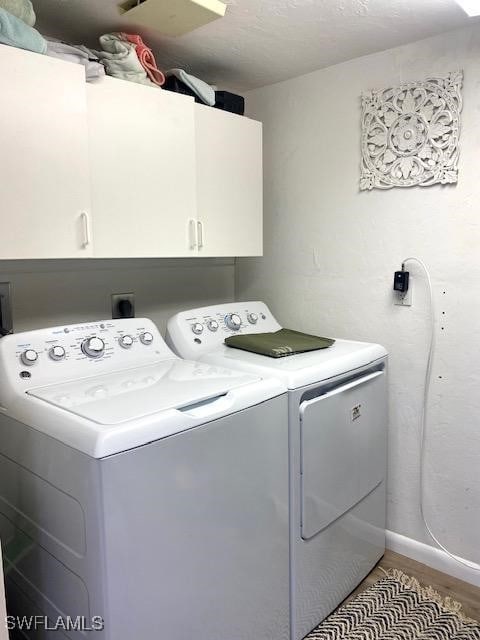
230	102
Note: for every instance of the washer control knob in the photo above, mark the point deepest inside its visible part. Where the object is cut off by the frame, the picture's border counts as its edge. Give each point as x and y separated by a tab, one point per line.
233	321
93	347
29	357
57	353
212	325
197	328
146	338
252	318
125	342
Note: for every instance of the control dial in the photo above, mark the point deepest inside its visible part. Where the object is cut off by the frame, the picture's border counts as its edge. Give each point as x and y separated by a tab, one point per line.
252	318
146	338
57	353
212	325
125	342
197	328
233	321
29	357
93	347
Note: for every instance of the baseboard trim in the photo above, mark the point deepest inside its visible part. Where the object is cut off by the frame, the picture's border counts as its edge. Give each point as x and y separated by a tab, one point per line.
432	557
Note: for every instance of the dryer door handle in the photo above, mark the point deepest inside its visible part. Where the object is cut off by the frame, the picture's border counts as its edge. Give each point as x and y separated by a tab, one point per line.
352	384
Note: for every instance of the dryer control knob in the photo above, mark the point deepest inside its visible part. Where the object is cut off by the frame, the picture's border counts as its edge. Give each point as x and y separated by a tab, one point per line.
57	353
252	318
197	328
146	338
93	347
29	357
233	321
212	325
125	342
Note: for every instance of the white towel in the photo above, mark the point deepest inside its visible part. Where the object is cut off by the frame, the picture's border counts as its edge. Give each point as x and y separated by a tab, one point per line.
121	60
78	54
204	91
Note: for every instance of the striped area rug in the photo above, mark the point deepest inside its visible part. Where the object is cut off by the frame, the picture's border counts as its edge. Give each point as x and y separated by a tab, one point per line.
397	607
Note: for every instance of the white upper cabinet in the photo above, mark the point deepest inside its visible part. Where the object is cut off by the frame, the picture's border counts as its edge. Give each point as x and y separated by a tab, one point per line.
115	169
229	183
44	174
143	175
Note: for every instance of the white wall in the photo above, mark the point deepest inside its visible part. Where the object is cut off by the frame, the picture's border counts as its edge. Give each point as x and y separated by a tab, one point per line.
331	251
51	292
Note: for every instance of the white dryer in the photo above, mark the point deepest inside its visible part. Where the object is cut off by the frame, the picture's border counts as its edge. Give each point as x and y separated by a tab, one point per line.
141	495
338	432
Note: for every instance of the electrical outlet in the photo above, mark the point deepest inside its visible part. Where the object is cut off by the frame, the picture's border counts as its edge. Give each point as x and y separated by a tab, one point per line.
404	299
6	319
123	305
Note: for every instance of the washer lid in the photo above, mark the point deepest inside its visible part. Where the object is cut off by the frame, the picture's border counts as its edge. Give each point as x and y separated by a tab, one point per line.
112	413
120	397
302	369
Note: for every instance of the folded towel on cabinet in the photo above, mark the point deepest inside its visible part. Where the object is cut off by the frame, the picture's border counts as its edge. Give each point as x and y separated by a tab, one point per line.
22	9
204	91
16	33
146	58
80	55
121	60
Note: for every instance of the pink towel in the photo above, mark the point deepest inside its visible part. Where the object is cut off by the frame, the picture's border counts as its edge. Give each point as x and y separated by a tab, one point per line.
146	57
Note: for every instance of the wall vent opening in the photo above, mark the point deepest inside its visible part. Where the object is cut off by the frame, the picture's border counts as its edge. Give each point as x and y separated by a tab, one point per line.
172	17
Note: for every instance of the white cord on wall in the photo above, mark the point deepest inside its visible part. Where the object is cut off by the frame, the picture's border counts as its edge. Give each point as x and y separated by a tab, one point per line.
423	433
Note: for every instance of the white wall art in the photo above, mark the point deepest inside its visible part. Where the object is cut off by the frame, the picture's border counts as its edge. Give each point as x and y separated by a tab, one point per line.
410	134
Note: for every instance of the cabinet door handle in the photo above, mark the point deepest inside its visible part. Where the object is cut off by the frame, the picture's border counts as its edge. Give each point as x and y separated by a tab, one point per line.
192	238
200	234
86	229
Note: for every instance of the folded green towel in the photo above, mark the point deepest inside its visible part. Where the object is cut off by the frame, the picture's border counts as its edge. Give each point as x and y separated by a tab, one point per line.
278	344
16	33
22	9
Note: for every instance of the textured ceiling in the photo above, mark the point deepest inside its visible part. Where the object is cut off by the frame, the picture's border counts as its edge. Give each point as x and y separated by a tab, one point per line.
260	42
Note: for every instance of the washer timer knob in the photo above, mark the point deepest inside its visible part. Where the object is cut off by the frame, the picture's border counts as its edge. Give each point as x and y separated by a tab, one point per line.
57	353
197	328
93	347
252	318
233	321
29	357
146	338
212	325
125	341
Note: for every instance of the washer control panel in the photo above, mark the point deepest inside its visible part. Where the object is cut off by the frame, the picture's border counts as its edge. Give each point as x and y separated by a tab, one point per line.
197	331
58	354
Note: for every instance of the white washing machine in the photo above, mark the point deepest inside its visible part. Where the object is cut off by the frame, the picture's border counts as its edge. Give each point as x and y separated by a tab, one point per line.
140	489
338	433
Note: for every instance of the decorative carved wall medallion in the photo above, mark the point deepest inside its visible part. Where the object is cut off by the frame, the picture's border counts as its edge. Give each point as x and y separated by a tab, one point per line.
410	134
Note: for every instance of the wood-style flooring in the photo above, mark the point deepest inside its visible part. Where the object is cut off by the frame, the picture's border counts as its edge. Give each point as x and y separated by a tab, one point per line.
465	593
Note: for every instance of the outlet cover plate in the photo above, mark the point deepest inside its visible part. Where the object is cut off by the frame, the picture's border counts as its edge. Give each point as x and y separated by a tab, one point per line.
404	299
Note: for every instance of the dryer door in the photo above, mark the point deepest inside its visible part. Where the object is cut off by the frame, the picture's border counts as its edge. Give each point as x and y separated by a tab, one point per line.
343	449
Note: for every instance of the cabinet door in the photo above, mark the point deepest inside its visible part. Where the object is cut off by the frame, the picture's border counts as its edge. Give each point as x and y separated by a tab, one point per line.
43	157
142	155
229	183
